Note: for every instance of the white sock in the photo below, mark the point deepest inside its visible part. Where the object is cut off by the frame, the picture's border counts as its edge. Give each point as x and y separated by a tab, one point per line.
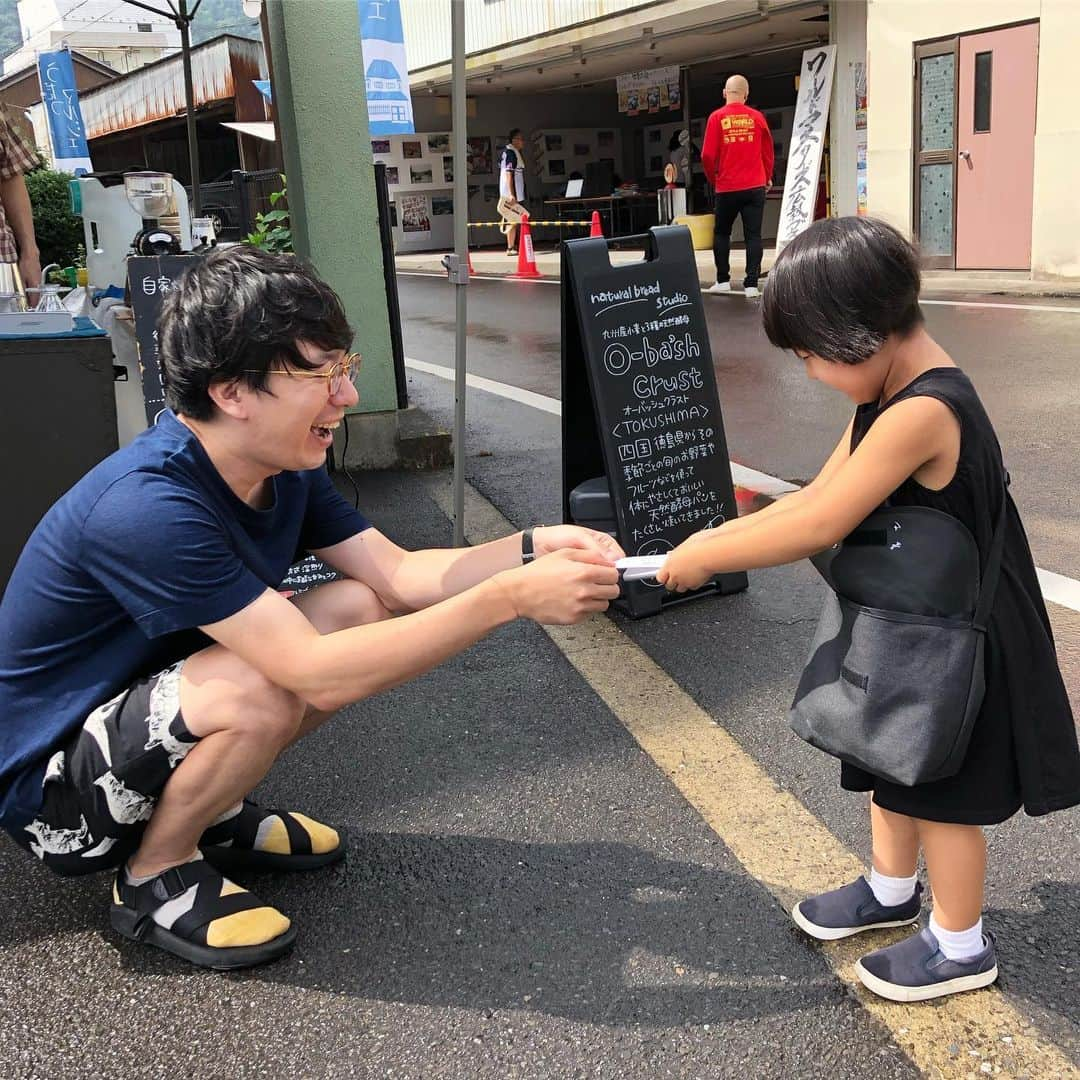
171	910
131	879
958	944
890	891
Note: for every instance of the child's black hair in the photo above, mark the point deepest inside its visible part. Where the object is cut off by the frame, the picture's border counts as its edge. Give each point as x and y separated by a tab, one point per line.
841	288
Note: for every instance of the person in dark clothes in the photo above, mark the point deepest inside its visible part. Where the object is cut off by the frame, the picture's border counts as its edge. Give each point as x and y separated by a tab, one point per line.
737	157
844	296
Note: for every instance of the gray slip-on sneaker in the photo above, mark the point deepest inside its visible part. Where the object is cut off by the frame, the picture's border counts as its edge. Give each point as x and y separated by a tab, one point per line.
851	910
916	969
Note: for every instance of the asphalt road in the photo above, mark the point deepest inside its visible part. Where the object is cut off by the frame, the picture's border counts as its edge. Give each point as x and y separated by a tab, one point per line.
738	656
1022	359
526	893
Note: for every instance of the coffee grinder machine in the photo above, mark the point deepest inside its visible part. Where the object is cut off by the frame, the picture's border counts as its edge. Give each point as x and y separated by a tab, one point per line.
149	194
111	220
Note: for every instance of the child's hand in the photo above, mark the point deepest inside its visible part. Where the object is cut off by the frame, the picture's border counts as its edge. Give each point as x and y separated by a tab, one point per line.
684	570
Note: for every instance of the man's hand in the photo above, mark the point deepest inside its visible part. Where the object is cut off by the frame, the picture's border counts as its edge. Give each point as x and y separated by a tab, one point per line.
684	569
561	588
30	269
549	538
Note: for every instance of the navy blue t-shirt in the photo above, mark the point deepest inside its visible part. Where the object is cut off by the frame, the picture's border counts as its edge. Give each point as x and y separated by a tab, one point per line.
111	586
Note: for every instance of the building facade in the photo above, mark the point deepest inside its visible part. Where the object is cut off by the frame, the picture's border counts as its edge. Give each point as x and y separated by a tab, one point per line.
973	140
954	121
121	36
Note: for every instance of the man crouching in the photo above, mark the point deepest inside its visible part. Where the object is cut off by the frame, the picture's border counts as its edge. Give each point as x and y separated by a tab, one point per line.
150	670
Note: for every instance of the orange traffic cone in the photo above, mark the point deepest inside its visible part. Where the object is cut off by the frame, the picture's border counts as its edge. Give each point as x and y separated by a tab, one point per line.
594	228
526	267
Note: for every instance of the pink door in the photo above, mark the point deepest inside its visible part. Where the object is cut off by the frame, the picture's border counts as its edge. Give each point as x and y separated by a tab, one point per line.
995	146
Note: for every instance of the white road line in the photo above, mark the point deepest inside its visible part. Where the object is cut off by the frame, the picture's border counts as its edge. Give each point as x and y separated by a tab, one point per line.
1056	588
1060	589
514	393
946	303
1011	307
761	482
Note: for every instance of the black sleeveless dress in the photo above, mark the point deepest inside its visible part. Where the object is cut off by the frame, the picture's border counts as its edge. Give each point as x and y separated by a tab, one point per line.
1023	748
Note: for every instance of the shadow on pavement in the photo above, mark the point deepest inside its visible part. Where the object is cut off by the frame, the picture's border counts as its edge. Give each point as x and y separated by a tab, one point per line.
598	932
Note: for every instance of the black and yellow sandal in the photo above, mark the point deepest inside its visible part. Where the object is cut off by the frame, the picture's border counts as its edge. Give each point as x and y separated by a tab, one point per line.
193	912
256	839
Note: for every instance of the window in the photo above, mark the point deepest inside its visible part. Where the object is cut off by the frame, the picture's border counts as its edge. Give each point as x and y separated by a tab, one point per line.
936	97
935	123
983	80
145	27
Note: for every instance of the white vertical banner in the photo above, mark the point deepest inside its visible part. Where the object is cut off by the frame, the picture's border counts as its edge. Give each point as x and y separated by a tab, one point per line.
807	142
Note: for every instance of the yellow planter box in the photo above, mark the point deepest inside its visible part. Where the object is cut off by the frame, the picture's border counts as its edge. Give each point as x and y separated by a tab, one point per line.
701	229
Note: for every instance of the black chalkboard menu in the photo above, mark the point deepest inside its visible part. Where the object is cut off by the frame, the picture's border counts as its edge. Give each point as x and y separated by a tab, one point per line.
150	277
639	403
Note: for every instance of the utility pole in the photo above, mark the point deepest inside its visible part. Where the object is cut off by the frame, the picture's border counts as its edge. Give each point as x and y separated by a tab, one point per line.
180	15
459	269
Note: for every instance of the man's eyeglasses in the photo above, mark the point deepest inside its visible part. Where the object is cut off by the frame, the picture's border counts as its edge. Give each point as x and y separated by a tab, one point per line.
346	368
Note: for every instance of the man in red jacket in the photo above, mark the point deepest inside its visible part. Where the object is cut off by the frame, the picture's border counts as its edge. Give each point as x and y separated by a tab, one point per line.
738	161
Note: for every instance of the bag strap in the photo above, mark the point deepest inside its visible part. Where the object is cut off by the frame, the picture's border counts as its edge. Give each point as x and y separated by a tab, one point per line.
988	585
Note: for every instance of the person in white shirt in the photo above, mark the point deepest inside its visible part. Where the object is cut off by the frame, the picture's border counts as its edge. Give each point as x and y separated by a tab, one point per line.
512	189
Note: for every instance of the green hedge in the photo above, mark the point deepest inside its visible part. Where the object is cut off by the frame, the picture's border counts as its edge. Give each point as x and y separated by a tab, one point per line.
59	232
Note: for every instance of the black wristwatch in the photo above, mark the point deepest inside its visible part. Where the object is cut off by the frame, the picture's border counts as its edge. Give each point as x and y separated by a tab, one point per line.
527	552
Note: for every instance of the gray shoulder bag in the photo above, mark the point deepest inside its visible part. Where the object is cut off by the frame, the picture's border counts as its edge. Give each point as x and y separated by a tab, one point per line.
895	677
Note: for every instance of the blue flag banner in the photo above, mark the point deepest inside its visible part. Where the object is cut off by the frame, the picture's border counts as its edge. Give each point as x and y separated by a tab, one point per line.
61	100
386	73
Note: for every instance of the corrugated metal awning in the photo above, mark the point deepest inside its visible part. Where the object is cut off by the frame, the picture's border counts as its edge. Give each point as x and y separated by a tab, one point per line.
221	70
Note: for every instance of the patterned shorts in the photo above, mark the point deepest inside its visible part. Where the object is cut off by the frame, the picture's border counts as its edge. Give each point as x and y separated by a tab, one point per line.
511	212
101	788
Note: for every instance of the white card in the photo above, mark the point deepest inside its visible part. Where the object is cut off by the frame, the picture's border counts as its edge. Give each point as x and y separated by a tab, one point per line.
638	567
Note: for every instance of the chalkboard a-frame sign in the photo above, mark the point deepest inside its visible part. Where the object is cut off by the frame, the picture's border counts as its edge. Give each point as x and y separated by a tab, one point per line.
639	402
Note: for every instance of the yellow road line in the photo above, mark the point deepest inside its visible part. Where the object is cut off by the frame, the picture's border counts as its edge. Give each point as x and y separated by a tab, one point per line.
776	839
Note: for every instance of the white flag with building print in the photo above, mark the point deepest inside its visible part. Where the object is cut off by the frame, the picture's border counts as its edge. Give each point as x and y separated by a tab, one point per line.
386	72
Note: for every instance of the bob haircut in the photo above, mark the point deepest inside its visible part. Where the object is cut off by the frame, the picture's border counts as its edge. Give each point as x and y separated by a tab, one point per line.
841	288
237	313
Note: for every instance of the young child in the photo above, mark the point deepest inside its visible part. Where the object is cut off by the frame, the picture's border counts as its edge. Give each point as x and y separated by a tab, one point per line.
844	297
